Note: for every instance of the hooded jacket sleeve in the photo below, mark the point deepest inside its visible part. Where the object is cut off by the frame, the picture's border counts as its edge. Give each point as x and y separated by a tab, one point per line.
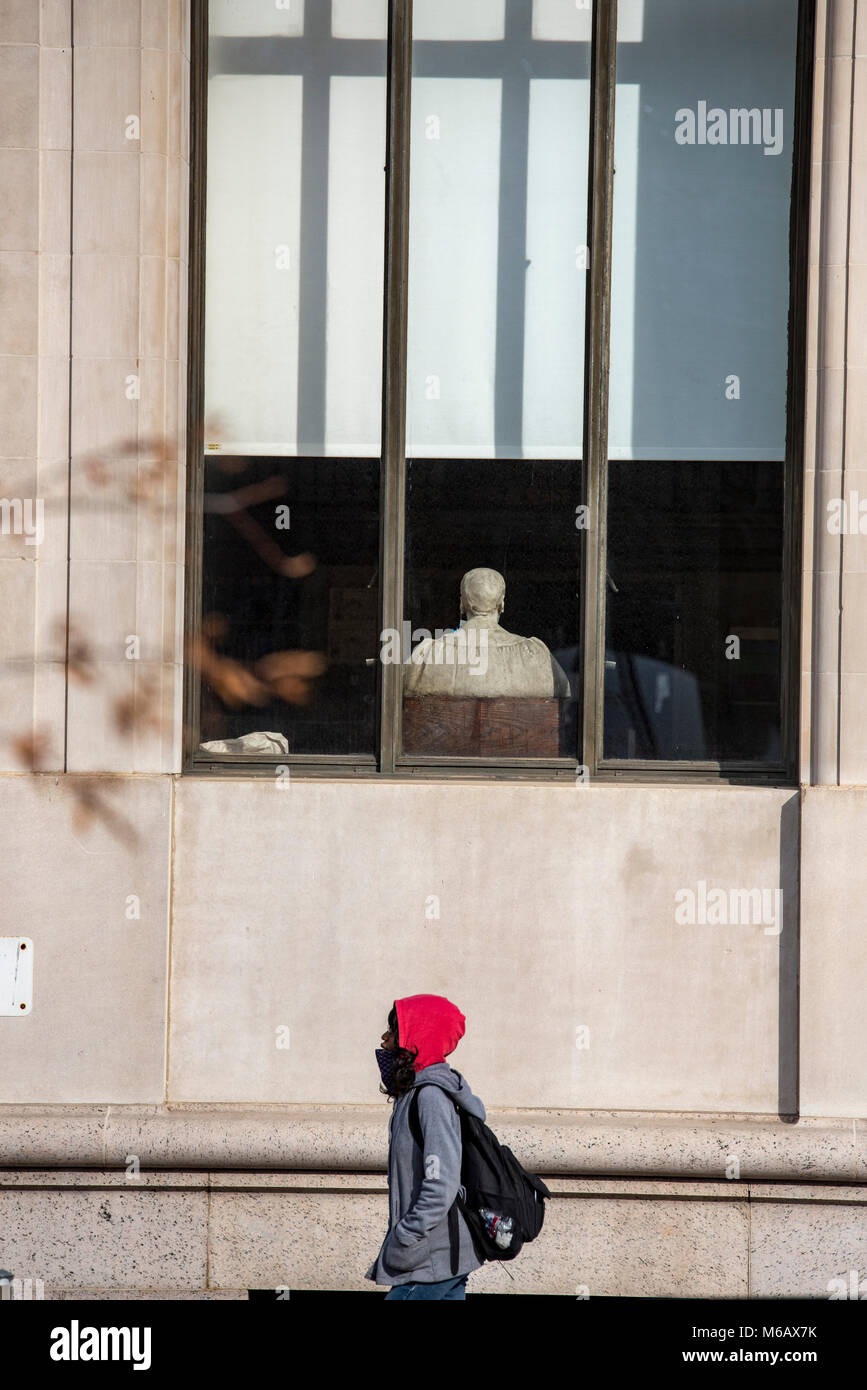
441	1131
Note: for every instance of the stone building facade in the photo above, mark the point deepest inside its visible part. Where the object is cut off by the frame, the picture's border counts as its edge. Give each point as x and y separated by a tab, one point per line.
156	1136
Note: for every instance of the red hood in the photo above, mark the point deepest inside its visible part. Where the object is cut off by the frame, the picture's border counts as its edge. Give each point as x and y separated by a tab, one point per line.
432	1024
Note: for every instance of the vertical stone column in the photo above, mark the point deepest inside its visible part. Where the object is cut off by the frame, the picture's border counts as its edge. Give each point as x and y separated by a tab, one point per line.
35	117
130	166
853	646
833	428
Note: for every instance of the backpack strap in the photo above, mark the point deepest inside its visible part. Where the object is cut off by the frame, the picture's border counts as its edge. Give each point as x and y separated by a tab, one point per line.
415	1131
454	1236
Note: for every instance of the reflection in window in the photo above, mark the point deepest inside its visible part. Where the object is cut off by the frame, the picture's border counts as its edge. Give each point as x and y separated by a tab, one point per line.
699	366
295	235
290	604
514	519
694	606
293	377
497	285
700	261
498	266
498	232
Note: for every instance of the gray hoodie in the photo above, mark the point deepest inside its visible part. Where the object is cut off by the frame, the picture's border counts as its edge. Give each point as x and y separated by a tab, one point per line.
421	1190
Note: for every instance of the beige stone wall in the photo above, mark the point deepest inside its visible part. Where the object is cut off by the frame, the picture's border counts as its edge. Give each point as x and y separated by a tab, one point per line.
95	174
221	1234
833	952
97	1030
307	909
834	654
312	909
179	923
35	123
82	331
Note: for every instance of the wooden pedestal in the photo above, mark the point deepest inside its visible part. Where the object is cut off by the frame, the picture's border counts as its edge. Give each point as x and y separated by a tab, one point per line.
504	728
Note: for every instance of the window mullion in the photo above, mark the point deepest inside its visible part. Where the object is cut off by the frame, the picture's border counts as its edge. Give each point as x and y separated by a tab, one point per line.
195	394
392	490
601	193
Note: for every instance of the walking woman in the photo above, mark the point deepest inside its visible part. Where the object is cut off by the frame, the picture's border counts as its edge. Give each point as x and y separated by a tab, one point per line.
416	1255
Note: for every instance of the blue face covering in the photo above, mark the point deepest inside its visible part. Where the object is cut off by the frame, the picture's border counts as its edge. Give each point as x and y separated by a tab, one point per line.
385	1061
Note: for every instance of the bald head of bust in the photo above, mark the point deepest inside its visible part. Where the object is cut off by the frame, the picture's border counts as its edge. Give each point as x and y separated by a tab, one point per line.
482	593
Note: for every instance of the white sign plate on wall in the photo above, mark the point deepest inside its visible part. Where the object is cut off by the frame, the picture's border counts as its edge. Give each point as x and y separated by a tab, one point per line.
16	975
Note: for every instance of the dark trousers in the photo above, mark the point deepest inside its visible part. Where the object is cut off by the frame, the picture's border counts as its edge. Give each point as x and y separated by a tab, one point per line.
446	1288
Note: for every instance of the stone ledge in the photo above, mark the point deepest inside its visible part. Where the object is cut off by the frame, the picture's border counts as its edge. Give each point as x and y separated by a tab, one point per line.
81	1235
146	1295
353	1138
224	1183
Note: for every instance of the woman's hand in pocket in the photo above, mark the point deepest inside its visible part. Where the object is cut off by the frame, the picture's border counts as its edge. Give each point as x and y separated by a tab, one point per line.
402	1255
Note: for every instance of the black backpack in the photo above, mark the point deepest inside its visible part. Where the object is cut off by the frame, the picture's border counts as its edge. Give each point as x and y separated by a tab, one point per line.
505	1205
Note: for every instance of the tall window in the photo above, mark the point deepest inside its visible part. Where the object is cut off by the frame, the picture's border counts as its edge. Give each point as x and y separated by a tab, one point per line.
499	311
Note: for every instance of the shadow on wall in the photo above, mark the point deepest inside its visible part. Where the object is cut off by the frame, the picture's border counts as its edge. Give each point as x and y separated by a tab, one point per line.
145	479
789	1101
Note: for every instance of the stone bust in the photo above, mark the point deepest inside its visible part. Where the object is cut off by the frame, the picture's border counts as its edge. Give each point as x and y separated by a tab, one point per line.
481	660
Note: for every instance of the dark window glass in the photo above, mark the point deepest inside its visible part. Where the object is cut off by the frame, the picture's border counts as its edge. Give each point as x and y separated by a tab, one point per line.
697	392
519	520
695	554
293	375
498	267
290	602
700	323
704	142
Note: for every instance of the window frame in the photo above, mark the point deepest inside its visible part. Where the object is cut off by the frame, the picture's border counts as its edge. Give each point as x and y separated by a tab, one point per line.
388	761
